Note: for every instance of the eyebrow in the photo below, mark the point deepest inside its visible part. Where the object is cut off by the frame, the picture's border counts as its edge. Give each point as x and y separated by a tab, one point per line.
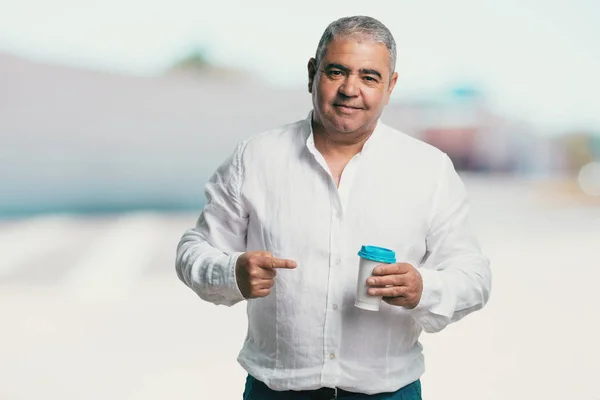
364	71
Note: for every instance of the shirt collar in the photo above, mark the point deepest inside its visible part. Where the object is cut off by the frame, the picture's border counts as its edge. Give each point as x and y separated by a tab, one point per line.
310	140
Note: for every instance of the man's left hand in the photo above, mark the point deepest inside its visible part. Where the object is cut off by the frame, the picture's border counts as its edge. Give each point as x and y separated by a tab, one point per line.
400	284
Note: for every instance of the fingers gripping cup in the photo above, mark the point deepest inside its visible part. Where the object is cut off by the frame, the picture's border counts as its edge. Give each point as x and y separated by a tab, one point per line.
370	256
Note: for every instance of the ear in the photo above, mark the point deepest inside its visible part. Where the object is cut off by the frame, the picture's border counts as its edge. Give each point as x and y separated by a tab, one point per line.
312	71
393	81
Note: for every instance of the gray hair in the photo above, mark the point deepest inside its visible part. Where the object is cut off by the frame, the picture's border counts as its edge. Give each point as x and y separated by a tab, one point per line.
358	27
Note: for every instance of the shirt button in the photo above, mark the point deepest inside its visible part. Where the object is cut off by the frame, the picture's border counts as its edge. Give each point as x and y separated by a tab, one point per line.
335	306
331	356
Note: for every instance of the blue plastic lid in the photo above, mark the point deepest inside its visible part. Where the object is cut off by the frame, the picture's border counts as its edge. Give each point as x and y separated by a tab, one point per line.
378	254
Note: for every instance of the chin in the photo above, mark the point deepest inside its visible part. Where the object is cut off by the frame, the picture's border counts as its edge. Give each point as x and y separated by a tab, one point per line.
343	125
346	129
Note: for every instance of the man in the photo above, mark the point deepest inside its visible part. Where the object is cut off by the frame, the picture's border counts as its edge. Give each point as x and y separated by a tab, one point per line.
288	212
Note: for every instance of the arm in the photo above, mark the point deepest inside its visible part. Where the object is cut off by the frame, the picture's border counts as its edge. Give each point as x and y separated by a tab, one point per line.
456	275
207	254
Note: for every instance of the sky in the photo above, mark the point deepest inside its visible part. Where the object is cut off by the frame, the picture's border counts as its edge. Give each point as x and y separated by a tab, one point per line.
537	61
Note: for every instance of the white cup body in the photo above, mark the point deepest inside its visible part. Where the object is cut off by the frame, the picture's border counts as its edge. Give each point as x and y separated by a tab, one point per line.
363	299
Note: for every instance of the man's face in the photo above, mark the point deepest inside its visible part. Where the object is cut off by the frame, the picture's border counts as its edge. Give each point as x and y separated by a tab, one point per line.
351	86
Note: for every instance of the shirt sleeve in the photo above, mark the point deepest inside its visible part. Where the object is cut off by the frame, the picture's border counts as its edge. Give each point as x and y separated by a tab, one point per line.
456	275
207	254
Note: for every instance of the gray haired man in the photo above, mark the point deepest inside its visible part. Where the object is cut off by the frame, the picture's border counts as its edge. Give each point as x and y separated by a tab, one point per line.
288	211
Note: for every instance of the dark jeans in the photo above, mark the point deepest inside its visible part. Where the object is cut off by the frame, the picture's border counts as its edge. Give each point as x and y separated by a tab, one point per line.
256	390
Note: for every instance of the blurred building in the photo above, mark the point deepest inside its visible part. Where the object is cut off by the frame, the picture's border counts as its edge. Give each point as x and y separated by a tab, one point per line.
460	123
90	141
577	149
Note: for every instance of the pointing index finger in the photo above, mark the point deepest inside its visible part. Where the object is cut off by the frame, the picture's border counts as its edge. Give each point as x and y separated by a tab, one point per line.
273	262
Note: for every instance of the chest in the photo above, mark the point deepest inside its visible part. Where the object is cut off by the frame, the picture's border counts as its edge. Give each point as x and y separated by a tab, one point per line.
336	168
302	216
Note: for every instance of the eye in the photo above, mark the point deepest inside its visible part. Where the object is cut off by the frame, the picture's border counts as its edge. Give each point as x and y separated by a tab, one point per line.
370	79
335	73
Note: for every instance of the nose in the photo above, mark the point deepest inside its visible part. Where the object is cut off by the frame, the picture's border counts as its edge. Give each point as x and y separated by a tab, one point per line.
349	87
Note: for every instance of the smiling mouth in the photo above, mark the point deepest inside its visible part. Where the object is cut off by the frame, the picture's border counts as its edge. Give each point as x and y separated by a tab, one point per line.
347	106
346	109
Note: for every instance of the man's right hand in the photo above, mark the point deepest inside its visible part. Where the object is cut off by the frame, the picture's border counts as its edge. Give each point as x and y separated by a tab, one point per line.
255	272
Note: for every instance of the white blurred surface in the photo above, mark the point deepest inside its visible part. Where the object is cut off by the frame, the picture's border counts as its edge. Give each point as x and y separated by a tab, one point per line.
88	311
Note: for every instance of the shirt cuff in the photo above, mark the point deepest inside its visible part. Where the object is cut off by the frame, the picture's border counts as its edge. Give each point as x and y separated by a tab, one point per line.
432	290
232	286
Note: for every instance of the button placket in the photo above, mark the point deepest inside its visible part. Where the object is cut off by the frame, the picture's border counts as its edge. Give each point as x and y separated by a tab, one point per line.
332	316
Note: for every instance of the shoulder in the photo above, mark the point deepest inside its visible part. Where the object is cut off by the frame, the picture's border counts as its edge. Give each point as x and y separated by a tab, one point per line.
403	147
277	139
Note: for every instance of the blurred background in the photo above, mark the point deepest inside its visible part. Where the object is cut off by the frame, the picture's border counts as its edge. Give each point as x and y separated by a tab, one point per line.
114	114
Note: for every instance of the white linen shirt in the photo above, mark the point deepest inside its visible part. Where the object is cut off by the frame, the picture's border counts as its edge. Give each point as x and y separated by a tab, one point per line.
276	193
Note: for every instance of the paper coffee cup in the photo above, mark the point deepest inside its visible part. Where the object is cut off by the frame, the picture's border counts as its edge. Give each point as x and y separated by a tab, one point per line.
370	256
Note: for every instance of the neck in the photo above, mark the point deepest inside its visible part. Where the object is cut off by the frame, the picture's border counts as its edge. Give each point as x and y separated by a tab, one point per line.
335	144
